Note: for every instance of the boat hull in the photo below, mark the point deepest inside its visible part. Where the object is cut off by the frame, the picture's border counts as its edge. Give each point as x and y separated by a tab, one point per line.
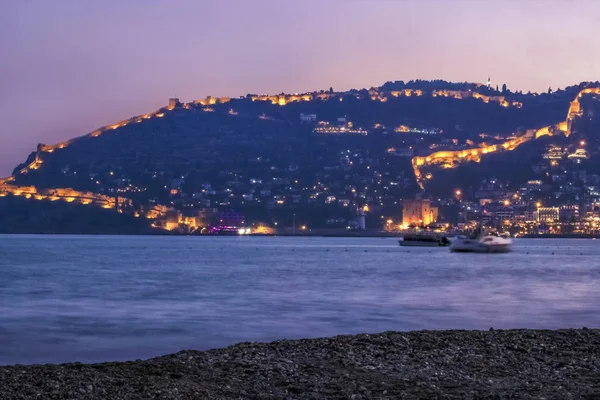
482	249
487	244
424	241
420	244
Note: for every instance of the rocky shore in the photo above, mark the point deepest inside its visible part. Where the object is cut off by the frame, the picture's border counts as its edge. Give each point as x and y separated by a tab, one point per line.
495	364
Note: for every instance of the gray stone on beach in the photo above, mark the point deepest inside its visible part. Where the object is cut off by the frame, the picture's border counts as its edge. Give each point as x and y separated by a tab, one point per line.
494	364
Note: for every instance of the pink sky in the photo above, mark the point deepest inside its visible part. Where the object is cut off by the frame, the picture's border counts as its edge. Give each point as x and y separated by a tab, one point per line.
69	66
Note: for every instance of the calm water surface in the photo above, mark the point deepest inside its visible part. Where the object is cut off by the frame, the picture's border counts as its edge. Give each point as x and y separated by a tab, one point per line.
97	298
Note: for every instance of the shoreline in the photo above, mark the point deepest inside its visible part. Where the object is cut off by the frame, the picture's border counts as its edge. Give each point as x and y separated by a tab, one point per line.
452	364
365	234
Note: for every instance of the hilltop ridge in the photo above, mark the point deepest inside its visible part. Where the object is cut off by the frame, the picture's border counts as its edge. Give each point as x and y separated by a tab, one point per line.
323	154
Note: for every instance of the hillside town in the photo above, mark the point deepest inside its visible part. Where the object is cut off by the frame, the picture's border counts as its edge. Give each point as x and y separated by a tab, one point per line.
323	166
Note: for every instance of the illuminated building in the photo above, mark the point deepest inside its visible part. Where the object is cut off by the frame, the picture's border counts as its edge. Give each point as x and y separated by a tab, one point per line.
569	213
534	184
548	214
406	129
530	215
359	222
172	219
555	153
400	152
340	130
229	222
418	212
173	102
505	215
579	154
261	229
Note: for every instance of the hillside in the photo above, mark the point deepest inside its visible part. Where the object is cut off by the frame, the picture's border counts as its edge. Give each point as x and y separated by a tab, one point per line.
19	215
319	155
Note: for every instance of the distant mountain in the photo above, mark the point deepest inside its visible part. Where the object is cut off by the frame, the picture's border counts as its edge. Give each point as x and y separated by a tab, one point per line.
320	155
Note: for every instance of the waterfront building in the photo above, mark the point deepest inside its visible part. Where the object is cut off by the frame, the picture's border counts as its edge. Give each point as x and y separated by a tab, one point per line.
569	213
548	214
418	212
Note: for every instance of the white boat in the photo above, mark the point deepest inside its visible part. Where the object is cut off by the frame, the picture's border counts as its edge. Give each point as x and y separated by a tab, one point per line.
481	243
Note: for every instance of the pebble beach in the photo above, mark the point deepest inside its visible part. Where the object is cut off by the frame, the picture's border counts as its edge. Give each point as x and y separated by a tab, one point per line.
494	364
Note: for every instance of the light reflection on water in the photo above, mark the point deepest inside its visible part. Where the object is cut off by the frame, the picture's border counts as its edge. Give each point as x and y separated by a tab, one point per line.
95	298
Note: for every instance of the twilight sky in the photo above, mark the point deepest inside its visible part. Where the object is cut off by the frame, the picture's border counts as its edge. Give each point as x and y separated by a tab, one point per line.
69	66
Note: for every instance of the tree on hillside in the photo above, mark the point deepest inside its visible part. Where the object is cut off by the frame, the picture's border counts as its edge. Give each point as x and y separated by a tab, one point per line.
504	88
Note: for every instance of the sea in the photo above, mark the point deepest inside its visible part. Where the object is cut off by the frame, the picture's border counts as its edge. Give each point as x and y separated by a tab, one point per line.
109	298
